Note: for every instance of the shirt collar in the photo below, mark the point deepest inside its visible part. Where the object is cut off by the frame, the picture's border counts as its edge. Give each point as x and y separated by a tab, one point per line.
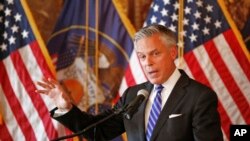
172	80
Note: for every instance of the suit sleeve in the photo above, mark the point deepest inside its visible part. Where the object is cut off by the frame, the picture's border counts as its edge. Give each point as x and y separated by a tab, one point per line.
206	119
77	120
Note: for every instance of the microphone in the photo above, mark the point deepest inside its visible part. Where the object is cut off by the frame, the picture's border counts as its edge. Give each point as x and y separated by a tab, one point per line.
134	105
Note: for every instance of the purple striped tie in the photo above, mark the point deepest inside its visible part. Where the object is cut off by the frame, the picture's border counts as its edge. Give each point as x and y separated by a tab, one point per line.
154	113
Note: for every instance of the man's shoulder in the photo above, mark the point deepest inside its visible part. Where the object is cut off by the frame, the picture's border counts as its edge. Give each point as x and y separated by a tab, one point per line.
192	84
133	90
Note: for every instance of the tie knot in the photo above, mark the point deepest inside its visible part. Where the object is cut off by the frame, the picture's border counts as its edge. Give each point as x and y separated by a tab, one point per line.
158	88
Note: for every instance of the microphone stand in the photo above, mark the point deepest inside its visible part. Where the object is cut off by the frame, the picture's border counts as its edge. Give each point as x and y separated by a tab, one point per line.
116	112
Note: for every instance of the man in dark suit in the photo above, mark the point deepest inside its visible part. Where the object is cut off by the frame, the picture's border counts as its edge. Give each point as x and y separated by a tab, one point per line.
178	108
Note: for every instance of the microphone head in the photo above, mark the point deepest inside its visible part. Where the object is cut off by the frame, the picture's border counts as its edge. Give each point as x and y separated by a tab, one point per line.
134	105
143	92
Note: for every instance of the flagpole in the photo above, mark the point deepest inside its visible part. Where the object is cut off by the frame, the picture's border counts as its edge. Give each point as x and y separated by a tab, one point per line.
86	47
234	28
38	37
96	53
180	34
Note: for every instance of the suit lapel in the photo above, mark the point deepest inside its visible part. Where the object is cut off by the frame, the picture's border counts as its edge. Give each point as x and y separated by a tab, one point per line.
175	96
141	113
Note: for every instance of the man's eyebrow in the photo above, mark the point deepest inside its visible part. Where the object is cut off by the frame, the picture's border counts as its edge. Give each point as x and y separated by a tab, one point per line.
152	51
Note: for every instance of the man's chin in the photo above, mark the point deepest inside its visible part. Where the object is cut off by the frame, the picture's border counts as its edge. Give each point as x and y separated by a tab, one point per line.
154	81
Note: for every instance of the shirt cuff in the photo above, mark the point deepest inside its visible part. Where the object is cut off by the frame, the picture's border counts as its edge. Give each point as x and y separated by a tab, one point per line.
60	112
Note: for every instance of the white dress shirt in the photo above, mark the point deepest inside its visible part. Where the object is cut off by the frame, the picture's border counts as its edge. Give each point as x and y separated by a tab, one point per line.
168	87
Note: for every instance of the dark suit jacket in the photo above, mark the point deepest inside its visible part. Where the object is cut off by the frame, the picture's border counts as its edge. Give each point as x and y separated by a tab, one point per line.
197	104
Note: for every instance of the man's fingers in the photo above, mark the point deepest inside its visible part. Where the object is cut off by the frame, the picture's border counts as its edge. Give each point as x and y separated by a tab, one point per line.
48	83
42	84
45	85
52	81
42	91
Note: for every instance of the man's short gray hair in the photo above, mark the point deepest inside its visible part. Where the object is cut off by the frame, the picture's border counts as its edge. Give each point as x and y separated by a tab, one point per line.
167	35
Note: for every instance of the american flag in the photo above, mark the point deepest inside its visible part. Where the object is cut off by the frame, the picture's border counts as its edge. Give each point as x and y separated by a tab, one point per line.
24	61
214	54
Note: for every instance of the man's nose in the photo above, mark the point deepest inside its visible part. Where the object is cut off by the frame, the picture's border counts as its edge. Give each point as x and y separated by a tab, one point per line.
148	61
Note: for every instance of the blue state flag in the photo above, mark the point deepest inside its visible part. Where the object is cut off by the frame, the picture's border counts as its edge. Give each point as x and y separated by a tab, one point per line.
91	46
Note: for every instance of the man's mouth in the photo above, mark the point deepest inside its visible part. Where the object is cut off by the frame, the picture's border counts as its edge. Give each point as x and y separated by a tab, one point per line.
152	73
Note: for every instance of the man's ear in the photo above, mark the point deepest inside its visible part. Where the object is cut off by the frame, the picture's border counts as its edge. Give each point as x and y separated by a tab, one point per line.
173	52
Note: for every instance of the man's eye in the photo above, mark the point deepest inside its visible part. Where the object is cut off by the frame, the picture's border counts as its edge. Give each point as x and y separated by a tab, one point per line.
156	53
141	56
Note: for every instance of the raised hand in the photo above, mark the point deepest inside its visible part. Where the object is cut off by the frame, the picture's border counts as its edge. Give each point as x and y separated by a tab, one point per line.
56	92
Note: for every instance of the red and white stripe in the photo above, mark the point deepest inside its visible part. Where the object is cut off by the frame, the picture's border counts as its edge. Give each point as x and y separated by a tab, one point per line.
133	74
220	64
26	113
